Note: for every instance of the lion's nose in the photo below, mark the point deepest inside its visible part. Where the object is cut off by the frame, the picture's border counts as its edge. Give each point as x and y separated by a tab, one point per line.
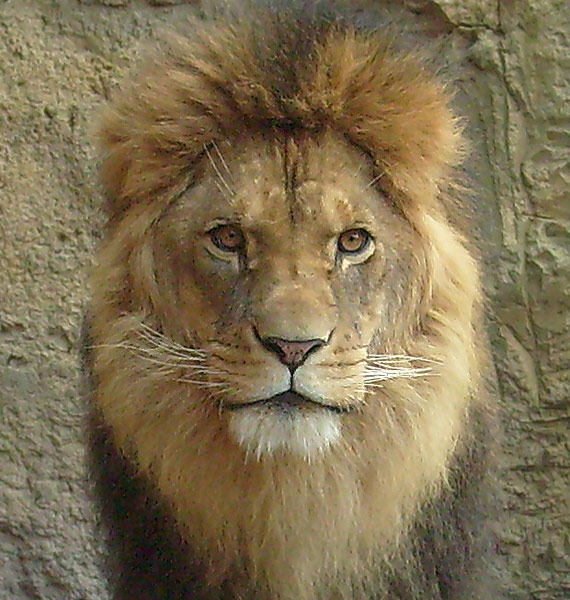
291	352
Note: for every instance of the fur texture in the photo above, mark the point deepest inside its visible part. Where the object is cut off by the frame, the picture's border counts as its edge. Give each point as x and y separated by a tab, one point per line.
236	164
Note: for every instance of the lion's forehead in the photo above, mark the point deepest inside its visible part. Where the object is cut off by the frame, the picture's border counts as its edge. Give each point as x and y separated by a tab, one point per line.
325	186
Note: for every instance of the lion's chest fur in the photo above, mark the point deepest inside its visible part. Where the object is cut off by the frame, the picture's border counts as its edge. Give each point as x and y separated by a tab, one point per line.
325	552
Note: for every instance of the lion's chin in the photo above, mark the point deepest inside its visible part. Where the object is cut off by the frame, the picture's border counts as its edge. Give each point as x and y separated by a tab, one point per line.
285	426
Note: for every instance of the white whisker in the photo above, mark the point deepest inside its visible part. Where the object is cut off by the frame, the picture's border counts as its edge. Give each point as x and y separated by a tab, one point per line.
224	163
171	359
205	384
375	180
218	172
401	357
385	367
161	341
222	190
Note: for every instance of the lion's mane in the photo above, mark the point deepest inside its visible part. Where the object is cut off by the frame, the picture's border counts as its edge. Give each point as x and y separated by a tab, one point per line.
395	509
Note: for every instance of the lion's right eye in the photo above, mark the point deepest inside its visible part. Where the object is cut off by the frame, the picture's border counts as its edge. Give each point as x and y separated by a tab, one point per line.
353	241
228	238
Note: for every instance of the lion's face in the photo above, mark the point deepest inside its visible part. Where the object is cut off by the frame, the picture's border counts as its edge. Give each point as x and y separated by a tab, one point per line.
287	267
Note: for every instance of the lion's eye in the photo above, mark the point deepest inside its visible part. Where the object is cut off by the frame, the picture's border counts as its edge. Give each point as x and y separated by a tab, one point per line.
228	238
353	241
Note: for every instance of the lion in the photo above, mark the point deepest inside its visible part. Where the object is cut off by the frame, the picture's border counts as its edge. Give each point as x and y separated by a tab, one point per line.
285	343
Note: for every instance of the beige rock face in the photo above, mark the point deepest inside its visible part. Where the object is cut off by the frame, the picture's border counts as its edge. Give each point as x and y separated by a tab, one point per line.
58	62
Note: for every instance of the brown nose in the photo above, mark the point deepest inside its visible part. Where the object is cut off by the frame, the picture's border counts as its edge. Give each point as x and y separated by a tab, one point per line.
291	352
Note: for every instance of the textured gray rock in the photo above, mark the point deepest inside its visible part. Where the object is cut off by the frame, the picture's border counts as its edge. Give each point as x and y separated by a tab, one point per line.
58	63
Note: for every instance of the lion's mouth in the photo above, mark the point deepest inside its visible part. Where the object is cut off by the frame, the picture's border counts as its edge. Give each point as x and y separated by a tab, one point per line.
288	402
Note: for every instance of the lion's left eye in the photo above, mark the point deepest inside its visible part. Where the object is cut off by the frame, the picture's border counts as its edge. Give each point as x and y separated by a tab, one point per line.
353	241
228	238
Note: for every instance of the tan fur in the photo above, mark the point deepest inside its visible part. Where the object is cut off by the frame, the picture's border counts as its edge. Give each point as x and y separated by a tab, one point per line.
303	527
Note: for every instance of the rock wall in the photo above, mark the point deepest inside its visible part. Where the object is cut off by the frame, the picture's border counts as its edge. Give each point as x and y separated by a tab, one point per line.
58	62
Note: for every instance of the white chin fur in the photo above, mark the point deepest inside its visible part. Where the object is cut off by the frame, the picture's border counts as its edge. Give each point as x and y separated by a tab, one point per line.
262	431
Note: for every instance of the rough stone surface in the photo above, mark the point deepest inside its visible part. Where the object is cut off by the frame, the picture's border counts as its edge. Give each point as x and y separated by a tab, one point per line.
58	62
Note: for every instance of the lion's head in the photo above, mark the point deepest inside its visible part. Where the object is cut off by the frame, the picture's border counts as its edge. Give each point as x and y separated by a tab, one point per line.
282	315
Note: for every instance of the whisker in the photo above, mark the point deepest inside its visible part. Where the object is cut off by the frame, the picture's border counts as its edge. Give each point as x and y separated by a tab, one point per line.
168	345
385	367
198	382
395	368
163	358
375	180
158	342
224	163
372	378
156	352
222	190
218	172
157	337
391	368
401	357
